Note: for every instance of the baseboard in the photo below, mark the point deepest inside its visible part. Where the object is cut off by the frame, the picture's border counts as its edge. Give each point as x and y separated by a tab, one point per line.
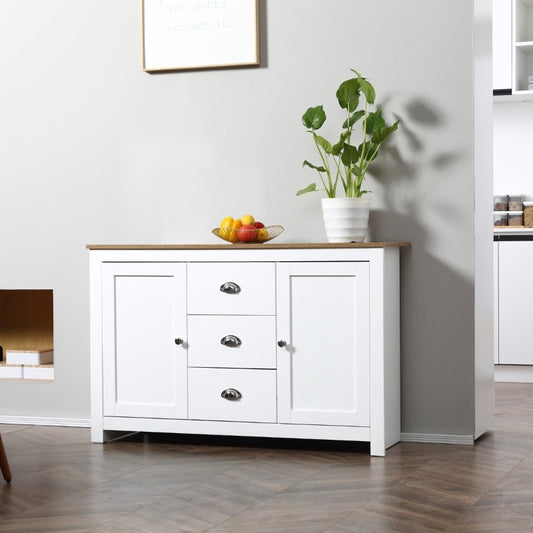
435	438
45	421
513	373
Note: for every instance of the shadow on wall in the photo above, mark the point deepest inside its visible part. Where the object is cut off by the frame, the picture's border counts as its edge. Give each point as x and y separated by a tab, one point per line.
437	300
403	166
437	334
419	178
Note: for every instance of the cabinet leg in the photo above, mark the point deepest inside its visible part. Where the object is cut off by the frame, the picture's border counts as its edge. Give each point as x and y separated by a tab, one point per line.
4	465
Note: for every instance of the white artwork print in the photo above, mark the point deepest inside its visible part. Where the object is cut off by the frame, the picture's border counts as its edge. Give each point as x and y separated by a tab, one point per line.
187	34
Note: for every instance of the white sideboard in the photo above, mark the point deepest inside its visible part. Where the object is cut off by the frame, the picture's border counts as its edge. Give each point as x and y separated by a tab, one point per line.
283	341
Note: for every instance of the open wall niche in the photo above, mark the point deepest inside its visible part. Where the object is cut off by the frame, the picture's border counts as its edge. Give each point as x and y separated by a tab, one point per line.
26	334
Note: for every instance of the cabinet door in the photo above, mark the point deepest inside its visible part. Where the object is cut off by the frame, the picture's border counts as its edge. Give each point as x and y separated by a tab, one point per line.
496	303
323	369
502	45
514	294
144	311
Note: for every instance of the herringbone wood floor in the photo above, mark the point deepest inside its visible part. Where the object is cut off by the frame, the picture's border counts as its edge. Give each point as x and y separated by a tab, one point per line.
154	483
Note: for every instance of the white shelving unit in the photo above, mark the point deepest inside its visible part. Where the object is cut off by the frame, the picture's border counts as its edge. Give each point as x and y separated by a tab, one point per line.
522	24
512	49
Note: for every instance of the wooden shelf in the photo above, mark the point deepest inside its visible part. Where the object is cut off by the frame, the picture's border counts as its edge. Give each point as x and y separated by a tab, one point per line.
517	96
26	323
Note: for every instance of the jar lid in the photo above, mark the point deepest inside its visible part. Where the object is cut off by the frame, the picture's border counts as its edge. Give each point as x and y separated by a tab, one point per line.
529	203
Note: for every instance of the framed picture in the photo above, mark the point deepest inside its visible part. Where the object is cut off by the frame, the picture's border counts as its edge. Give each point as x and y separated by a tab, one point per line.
197	34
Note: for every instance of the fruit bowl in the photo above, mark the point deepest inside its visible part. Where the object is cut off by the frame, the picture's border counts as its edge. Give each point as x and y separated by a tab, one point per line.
247	236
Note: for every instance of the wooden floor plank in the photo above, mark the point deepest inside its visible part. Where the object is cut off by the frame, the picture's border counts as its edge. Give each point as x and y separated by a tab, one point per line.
168	483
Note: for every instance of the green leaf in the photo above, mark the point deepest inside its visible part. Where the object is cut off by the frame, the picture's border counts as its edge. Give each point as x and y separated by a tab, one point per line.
314	117
350	155
381	135
374	122
314	167
326	145
309	188
366	87
336	149
358	171
372	153
349	122
368	90
348	94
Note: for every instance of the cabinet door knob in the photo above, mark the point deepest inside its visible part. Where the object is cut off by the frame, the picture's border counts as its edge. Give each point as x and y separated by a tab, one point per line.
231	394
230	288
178	341
231	341
282	344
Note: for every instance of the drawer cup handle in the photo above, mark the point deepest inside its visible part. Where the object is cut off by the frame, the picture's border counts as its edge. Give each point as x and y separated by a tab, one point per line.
230	288
231	341
231	394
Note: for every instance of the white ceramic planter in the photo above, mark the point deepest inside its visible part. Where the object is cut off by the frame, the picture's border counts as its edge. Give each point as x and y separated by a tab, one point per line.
346	219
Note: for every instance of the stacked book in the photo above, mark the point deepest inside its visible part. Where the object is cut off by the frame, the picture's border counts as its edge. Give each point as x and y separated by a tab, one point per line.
27	364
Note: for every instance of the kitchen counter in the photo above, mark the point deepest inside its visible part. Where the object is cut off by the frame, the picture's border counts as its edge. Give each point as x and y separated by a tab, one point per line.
510	233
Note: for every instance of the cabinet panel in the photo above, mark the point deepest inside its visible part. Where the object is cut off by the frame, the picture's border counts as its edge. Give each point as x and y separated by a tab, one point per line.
323	370
252	343
496	308
144	310
502	45
255	294
515	292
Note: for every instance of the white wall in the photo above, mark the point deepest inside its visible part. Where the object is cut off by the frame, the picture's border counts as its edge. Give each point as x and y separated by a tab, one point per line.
96	151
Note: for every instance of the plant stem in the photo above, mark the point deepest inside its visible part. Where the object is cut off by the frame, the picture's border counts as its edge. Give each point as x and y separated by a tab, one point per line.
328	188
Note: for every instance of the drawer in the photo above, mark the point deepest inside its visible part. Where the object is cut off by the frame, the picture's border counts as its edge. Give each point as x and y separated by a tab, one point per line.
234	341
231	288
257	390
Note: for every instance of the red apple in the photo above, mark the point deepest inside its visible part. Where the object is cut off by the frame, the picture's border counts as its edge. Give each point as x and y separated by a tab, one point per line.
247	233
259	225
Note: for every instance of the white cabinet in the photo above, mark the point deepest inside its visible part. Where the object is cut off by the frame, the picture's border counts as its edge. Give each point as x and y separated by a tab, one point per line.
515	291
295	341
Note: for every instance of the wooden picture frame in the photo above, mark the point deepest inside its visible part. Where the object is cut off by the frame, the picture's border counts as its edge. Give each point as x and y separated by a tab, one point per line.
199	34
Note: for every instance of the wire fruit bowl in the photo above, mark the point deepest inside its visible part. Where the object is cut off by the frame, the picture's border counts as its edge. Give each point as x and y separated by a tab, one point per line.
261	234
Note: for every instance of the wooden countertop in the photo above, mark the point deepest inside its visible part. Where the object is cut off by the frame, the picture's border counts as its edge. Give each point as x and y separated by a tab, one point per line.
282	246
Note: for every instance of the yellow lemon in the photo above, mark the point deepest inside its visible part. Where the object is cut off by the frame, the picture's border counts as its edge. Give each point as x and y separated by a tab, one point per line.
226	222
225	228
247	220
232	232
262	234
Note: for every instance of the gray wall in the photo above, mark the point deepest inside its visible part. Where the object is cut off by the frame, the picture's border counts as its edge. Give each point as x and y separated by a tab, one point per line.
93	150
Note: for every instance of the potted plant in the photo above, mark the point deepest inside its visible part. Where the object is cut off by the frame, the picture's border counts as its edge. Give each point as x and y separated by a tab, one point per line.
347	161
